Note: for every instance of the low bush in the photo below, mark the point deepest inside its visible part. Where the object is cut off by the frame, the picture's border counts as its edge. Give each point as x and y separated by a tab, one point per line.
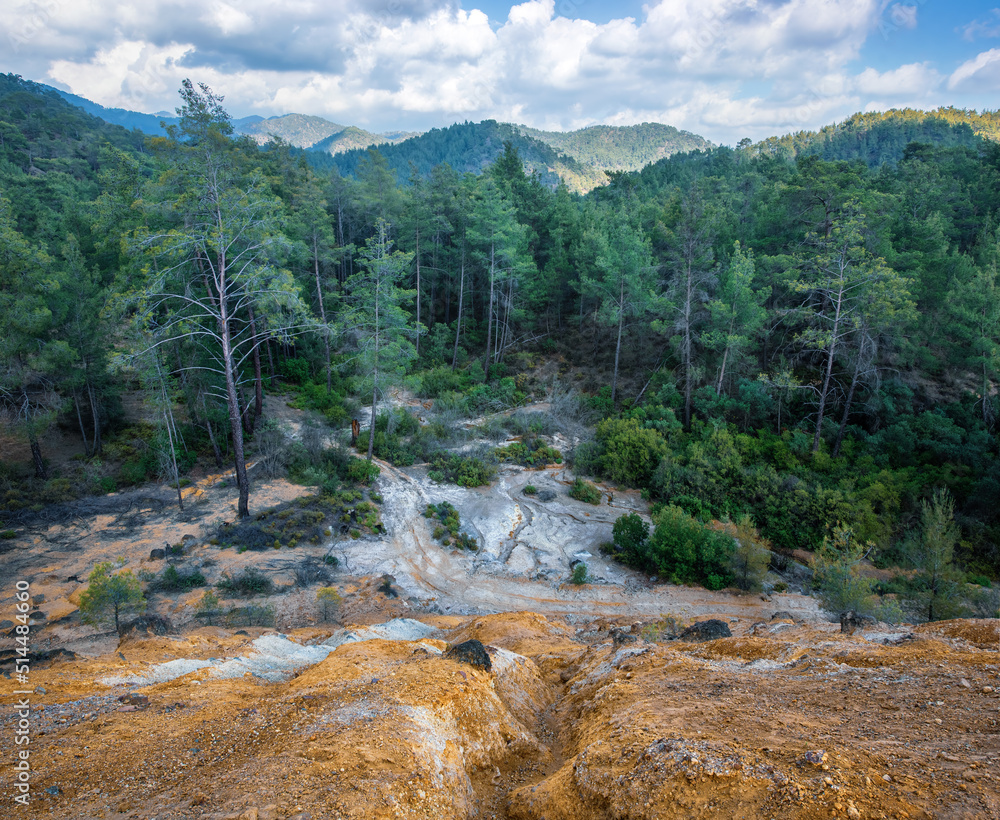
463	470
530	453
585	491
248	582
680	549
173	580
449	529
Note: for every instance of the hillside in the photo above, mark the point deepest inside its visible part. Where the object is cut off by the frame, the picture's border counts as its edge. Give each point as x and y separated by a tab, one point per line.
878	137
573	701
620	148
469	148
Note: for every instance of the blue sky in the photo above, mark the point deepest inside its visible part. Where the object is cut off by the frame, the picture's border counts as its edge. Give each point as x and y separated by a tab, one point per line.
725	69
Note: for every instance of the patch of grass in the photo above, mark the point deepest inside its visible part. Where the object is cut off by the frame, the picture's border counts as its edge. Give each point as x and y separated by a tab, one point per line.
585	491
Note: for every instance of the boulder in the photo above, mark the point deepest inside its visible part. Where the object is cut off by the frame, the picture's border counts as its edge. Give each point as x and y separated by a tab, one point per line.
471	652
710	630
852	621
157	555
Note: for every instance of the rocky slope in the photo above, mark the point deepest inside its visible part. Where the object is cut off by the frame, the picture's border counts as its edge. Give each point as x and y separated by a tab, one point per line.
591	708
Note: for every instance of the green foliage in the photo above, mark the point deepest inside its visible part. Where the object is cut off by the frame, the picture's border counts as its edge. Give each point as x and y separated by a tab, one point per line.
842	583
329	601
751	557
530	453
529	489
630	534
208	608
580	575
584	491
173	580
449	530
680	549
112	593
247	582
630	453
465	471
938	590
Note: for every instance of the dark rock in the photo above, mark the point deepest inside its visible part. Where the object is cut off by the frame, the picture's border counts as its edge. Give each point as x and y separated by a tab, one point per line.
782	616
147	625
157	555
815	757
386	586
53	790
545	495
471	652
707	631
133	699
5	624
38	600
619	636
852	621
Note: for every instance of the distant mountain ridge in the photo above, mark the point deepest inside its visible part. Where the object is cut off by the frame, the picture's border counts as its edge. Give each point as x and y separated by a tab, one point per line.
579	158
620	147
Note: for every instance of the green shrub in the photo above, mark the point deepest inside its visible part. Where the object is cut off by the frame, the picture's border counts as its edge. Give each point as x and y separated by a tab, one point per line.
173	580
530	453
111	595
8	534
448	530
208	608
680	549
585	491
630	453
579	575
630	534
465	471
361	471
249	581
530	489
329	600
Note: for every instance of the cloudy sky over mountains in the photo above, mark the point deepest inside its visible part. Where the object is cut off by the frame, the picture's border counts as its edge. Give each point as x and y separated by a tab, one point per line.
725	69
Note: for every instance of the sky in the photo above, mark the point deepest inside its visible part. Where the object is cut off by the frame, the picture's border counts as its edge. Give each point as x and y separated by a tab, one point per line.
724	69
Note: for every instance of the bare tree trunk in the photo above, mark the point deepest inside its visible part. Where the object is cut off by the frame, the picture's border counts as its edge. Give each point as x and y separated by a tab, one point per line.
322	310
489	317
95	412
79	419
258	380
458	326
847	411
618	344
417	257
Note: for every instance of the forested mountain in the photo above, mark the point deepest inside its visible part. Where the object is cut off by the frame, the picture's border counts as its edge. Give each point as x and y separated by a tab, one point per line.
147	123
469	148
316	133
879	137
808	343
620	147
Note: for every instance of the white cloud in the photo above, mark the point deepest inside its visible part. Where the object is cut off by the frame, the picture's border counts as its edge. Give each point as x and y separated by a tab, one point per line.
914	79
981	72
723	68
988	26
